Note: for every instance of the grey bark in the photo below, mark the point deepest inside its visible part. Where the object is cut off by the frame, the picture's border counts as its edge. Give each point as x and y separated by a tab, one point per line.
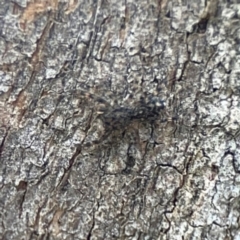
119	119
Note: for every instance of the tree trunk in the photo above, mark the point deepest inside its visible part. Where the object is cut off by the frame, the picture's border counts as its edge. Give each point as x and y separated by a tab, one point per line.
119	119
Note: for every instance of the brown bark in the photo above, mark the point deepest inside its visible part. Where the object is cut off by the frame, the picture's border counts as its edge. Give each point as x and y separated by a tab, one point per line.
119	119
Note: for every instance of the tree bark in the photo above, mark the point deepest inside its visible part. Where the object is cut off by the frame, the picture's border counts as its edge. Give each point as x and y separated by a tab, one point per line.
119	119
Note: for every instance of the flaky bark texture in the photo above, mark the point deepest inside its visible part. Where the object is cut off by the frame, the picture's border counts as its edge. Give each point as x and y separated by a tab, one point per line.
119	119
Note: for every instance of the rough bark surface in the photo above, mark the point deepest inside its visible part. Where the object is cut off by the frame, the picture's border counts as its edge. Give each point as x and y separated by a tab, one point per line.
119	119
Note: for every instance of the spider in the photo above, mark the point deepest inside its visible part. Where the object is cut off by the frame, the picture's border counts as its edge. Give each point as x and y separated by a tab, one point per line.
118	118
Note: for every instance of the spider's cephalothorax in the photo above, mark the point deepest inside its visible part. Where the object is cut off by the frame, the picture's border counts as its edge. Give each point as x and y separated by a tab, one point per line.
149	108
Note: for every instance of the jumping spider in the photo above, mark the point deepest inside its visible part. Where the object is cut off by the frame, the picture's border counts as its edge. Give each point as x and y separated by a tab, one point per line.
115	118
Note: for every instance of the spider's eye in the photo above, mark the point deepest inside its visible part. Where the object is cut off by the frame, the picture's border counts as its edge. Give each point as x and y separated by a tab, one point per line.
156	102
